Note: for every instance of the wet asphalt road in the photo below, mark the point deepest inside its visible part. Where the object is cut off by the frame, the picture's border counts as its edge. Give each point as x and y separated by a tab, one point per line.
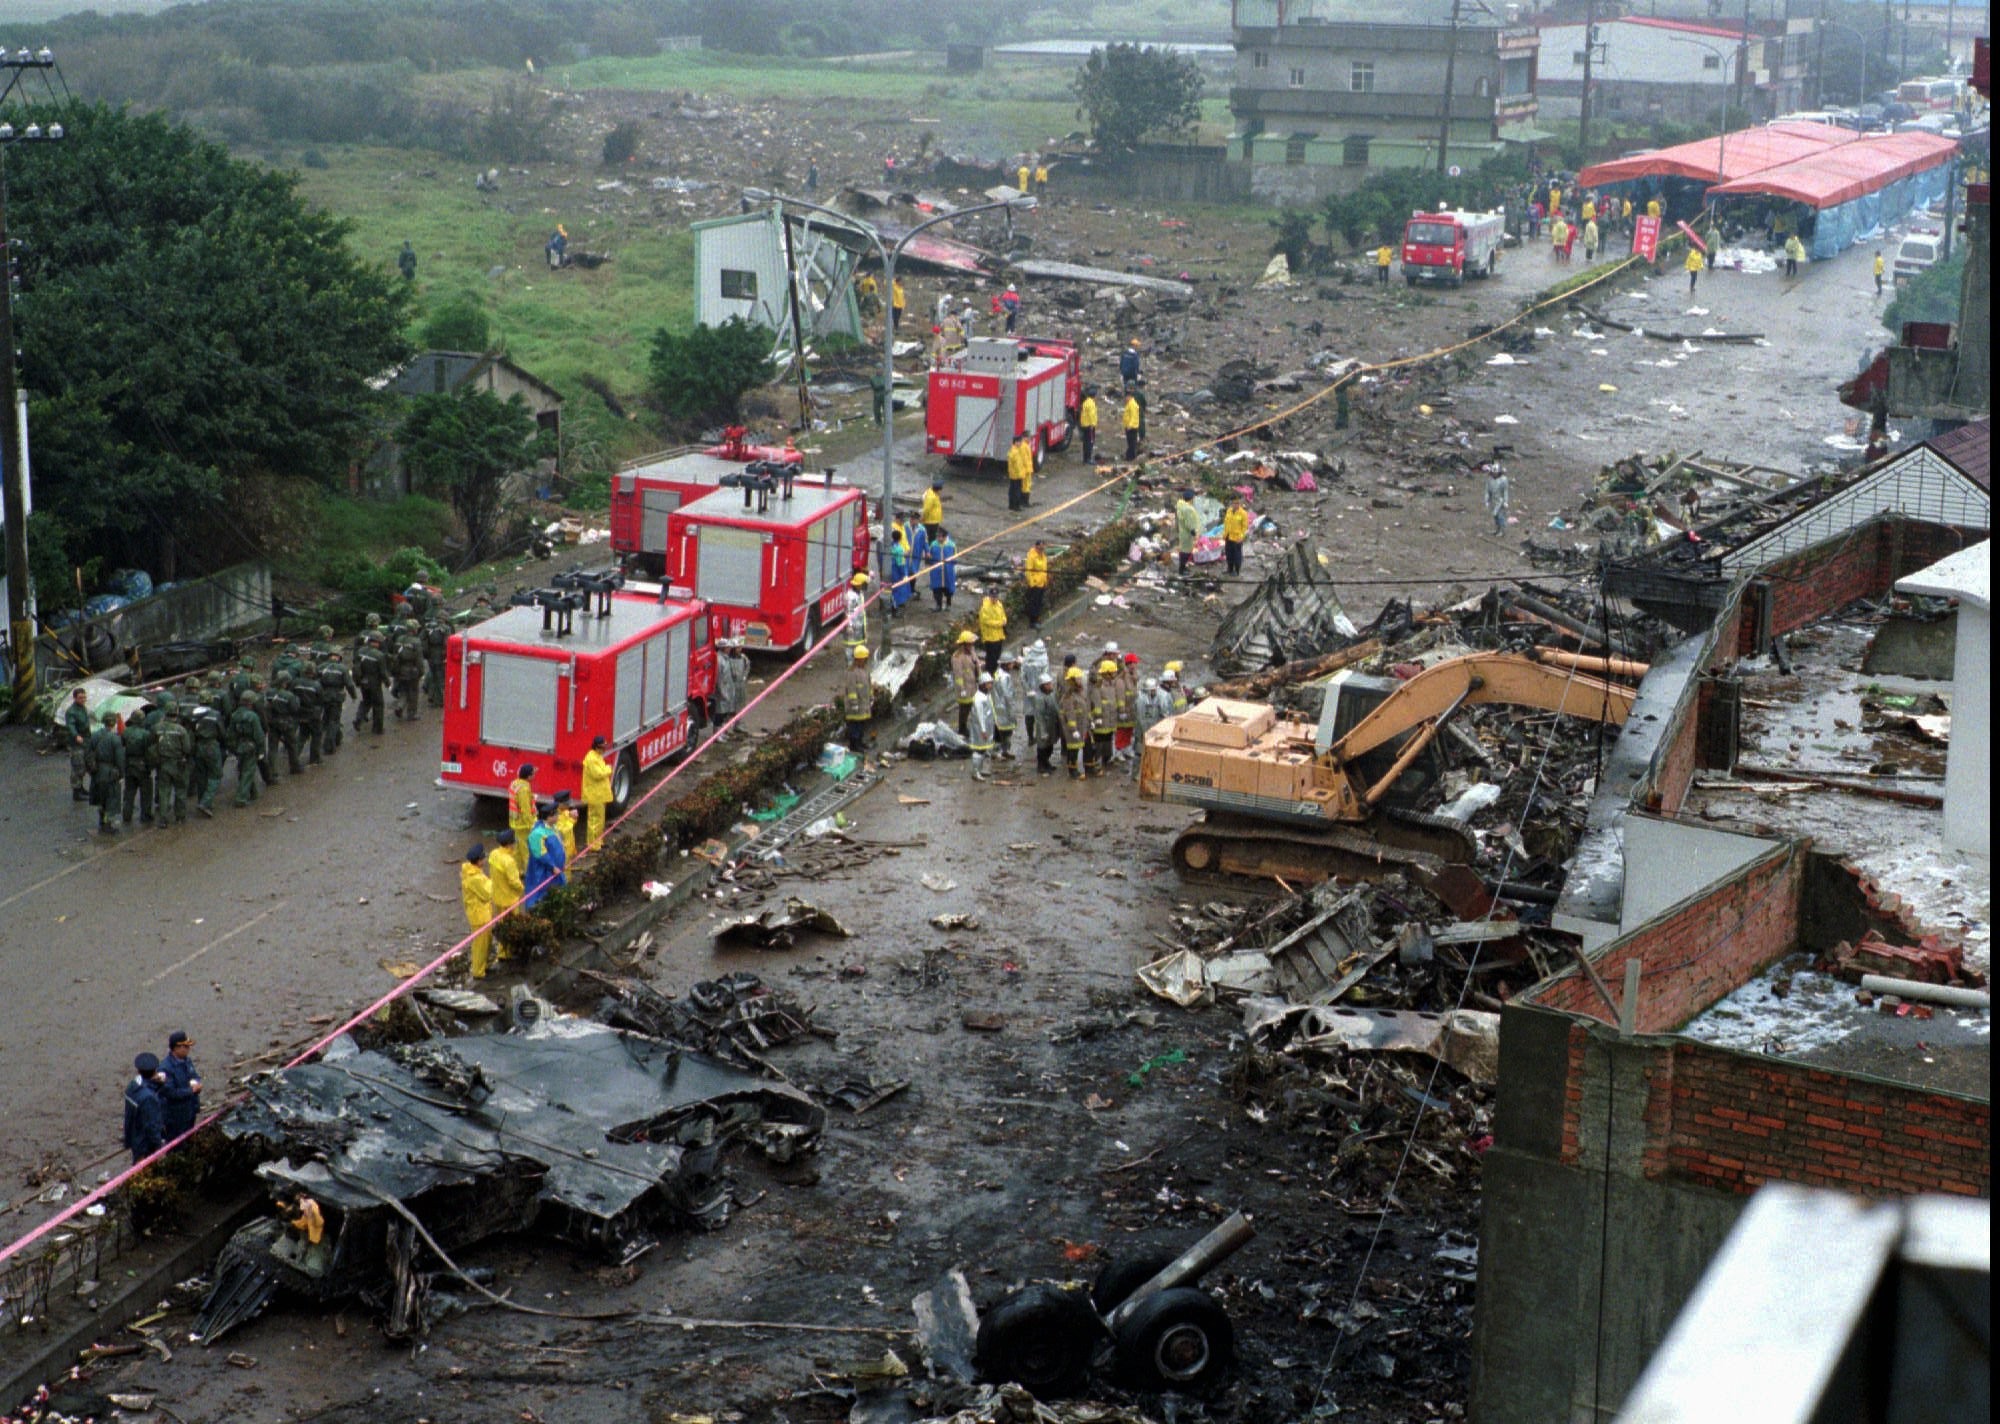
255	929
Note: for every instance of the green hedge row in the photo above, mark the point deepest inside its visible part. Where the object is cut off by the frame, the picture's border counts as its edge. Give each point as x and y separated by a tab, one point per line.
712	805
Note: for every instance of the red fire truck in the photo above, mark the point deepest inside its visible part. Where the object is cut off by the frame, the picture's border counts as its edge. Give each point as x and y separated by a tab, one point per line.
1449	246
997	388
771	559
536	682
646	491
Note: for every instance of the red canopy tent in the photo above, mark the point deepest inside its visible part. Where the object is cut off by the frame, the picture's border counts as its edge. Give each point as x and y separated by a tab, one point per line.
1846	171
1743	153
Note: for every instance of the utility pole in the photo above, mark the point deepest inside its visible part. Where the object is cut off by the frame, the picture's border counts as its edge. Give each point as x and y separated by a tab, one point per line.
1450	72
1819	63
1589	55
13	455
1743	63
1903	64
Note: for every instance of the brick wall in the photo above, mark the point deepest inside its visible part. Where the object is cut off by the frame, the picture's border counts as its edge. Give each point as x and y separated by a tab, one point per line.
1865	564
1732	1121
1737	1124
1697	951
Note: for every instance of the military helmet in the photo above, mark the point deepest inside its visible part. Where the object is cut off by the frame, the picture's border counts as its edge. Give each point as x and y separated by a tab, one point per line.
249	698
168	703
109	718
283	679
325	633
373	620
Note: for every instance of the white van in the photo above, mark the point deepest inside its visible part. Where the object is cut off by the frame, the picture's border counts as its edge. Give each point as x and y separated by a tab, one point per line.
1920	250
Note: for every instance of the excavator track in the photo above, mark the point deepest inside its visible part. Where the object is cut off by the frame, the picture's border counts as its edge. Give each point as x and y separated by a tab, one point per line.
1224	849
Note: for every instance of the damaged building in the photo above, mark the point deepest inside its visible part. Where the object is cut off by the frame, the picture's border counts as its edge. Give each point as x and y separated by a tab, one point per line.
1785	928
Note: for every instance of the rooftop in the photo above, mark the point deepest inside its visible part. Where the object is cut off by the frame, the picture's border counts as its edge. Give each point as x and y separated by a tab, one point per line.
806	501
1966	576
1830	721
630	616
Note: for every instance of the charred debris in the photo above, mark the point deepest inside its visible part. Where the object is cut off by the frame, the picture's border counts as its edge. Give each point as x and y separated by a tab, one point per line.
603	1132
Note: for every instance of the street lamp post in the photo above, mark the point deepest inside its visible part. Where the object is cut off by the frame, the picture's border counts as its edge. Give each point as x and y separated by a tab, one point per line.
888	255
1861	77
1722	117
13	423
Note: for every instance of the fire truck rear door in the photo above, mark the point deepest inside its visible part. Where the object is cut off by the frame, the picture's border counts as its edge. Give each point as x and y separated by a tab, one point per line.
972	437
517	702
729	566
654	507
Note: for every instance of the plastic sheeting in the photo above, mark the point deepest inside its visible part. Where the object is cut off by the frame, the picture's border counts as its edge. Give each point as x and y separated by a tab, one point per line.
1840	227
1846	172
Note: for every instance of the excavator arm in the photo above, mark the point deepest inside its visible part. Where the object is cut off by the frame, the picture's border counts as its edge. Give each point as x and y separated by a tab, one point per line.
1492	678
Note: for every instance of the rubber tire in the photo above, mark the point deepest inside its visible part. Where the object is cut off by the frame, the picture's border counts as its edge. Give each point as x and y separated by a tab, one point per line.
1409	279
1120	1278
1068	435
624	777
1041	1338
1178	1339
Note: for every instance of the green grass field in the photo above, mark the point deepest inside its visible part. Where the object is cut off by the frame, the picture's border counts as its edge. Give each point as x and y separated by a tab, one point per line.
561	326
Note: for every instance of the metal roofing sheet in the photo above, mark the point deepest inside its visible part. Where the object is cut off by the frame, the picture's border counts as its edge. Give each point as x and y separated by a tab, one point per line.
631	616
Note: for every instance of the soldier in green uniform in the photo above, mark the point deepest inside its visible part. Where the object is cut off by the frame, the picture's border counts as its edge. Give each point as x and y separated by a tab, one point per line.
371	624
106	763
407	665
76	727
282	709
305	689
246	741
437	633
371	671
207	726
173	749
138	739
244	680
336	685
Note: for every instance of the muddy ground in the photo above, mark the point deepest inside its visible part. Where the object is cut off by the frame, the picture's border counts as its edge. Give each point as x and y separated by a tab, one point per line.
255	929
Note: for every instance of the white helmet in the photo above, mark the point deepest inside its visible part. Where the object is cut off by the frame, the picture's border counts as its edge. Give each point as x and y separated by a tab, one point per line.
1152	684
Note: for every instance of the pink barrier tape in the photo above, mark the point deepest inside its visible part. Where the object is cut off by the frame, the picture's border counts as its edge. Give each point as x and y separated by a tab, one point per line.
98	1194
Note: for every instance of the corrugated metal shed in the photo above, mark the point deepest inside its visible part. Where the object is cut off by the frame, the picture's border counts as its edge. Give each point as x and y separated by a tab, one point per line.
740	270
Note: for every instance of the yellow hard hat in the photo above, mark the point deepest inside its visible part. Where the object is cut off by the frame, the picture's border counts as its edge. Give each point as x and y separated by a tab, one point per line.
861	654
1174	666
1107	666
1074	675
859	580
966	637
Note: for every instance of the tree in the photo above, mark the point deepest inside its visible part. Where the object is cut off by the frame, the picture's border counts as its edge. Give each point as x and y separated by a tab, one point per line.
458	323
1294	237
464	447
1127	92
187	322
702	376
621	145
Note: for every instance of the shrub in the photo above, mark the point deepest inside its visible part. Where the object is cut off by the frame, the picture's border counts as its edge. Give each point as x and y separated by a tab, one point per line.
621	145
701	377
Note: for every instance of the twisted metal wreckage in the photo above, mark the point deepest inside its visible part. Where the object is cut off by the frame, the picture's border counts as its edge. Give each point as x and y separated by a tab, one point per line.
598	1133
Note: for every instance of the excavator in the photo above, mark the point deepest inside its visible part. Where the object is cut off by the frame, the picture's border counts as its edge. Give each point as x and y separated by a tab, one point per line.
1300	803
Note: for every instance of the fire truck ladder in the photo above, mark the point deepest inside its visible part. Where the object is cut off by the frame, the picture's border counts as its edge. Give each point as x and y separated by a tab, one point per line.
821	803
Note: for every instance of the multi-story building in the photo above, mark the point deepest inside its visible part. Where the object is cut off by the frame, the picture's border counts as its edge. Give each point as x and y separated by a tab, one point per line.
1648	70
1327	90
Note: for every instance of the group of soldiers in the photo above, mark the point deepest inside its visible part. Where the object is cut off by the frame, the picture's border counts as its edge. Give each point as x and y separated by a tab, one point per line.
172	757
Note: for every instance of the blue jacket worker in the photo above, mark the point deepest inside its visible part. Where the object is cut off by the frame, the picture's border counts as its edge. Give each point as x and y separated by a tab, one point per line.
145	1122
180	1094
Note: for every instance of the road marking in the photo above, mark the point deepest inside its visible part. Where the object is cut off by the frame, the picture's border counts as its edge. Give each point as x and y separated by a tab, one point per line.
218	941
51	879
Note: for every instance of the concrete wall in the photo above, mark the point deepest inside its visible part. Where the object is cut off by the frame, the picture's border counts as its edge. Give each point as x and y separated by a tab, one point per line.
1170	173
1697	950
208	607
1968	771
1620	1164
1680	858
